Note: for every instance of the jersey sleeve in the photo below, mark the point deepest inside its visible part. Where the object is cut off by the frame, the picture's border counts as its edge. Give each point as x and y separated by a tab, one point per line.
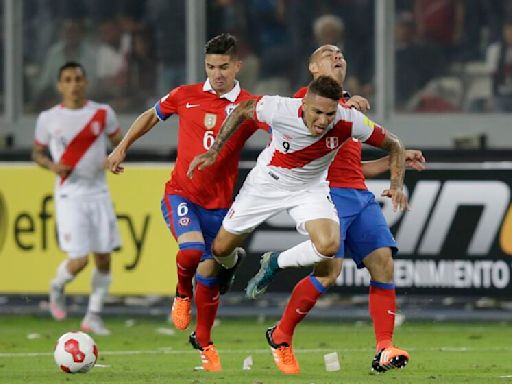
112	123
363	128
167	105
266	108
42	135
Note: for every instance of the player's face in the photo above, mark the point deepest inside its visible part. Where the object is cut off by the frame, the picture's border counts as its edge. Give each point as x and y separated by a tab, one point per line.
329	61
319	113
72	85
221	71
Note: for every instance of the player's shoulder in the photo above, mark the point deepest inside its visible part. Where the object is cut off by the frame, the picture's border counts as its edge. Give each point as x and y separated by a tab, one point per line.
188	90
301	92
56	110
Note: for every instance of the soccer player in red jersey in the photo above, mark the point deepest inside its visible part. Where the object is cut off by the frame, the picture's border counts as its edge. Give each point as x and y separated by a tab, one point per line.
364	231
76	132
290	176
194	209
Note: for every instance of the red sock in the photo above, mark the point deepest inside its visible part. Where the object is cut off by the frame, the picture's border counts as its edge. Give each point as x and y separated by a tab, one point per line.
303	298
187	261
207	302
382	308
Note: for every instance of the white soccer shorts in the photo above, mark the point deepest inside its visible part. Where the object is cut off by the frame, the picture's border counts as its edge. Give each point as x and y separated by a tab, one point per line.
259	199
86	224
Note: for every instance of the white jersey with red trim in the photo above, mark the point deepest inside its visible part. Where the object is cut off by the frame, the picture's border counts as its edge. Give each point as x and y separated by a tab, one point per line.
295	158
78	138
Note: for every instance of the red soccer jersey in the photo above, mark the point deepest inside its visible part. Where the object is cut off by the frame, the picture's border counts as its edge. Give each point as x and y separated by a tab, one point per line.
201	113
345	170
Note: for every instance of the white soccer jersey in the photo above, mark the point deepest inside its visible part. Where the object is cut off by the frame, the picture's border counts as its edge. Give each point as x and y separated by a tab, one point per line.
295	158
78	138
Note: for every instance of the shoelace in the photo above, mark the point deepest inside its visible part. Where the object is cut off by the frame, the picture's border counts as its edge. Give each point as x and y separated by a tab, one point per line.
287	355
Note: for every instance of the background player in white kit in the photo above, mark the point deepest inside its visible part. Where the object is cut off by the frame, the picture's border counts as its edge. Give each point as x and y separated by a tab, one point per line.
291	175
76	133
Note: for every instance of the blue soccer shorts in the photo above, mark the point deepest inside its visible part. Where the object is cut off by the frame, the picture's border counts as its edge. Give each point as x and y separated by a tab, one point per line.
363	228
182	216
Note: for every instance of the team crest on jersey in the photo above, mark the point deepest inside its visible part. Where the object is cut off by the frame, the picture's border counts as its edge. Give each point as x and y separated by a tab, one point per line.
184	221
95	128
331	142
210	119
230	108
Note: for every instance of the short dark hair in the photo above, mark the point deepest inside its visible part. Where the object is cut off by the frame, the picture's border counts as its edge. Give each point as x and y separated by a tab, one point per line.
71	64
326	86
224	44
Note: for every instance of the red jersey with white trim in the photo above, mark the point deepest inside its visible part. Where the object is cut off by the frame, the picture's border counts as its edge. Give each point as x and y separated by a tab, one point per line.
201	114
345	170
295	158
78	138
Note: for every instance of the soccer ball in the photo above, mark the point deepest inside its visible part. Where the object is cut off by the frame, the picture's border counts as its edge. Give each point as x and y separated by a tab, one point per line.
75	352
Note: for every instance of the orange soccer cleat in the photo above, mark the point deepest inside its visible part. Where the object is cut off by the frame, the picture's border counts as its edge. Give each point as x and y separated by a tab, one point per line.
210	359
181	312
390	358
283	355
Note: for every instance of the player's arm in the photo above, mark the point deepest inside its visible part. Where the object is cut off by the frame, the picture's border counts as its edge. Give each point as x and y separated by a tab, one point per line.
396	150
245	110
39	155
143	124
414	159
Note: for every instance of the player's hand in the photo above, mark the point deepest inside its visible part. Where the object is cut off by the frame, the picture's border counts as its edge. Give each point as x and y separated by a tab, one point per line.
114	161
359	103
61	170
398	198
201	162
414	159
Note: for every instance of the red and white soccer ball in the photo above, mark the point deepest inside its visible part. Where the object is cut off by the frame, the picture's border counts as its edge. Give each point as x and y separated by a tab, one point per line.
75	352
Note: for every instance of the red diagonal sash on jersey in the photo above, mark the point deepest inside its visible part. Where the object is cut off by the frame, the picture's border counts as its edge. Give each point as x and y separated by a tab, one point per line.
341	132
77	147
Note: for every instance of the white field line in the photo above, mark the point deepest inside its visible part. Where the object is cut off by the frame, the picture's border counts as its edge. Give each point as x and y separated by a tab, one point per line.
170	351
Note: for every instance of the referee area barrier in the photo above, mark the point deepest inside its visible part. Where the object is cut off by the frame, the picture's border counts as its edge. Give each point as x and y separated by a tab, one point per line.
455	240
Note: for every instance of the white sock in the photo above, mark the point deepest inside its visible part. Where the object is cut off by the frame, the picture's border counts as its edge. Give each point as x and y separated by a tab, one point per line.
302	255
228	261
63	275
100	284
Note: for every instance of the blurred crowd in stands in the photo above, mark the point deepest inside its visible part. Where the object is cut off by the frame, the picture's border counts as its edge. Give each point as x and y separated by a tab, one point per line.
450	55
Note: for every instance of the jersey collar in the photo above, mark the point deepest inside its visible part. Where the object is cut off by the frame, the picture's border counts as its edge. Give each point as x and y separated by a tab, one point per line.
231	95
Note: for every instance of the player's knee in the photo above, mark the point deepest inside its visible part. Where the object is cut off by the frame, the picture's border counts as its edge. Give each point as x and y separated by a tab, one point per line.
327	246
77	264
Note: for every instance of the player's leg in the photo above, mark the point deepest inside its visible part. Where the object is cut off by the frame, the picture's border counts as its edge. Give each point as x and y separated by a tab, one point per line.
104	238
371	245
72	240
316	216
207	303
100	284
182	219
303	299
208	289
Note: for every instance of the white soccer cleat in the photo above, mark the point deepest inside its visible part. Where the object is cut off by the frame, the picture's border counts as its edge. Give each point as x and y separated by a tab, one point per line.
92	323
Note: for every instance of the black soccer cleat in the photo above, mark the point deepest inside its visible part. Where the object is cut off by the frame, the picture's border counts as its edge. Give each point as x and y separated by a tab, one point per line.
390	358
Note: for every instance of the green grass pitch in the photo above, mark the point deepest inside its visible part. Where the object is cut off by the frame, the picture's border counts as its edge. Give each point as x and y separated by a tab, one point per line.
143	351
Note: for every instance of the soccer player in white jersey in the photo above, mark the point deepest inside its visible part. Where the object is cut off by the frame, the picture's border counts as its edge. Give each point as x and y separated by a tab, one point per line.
76	133
291	175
